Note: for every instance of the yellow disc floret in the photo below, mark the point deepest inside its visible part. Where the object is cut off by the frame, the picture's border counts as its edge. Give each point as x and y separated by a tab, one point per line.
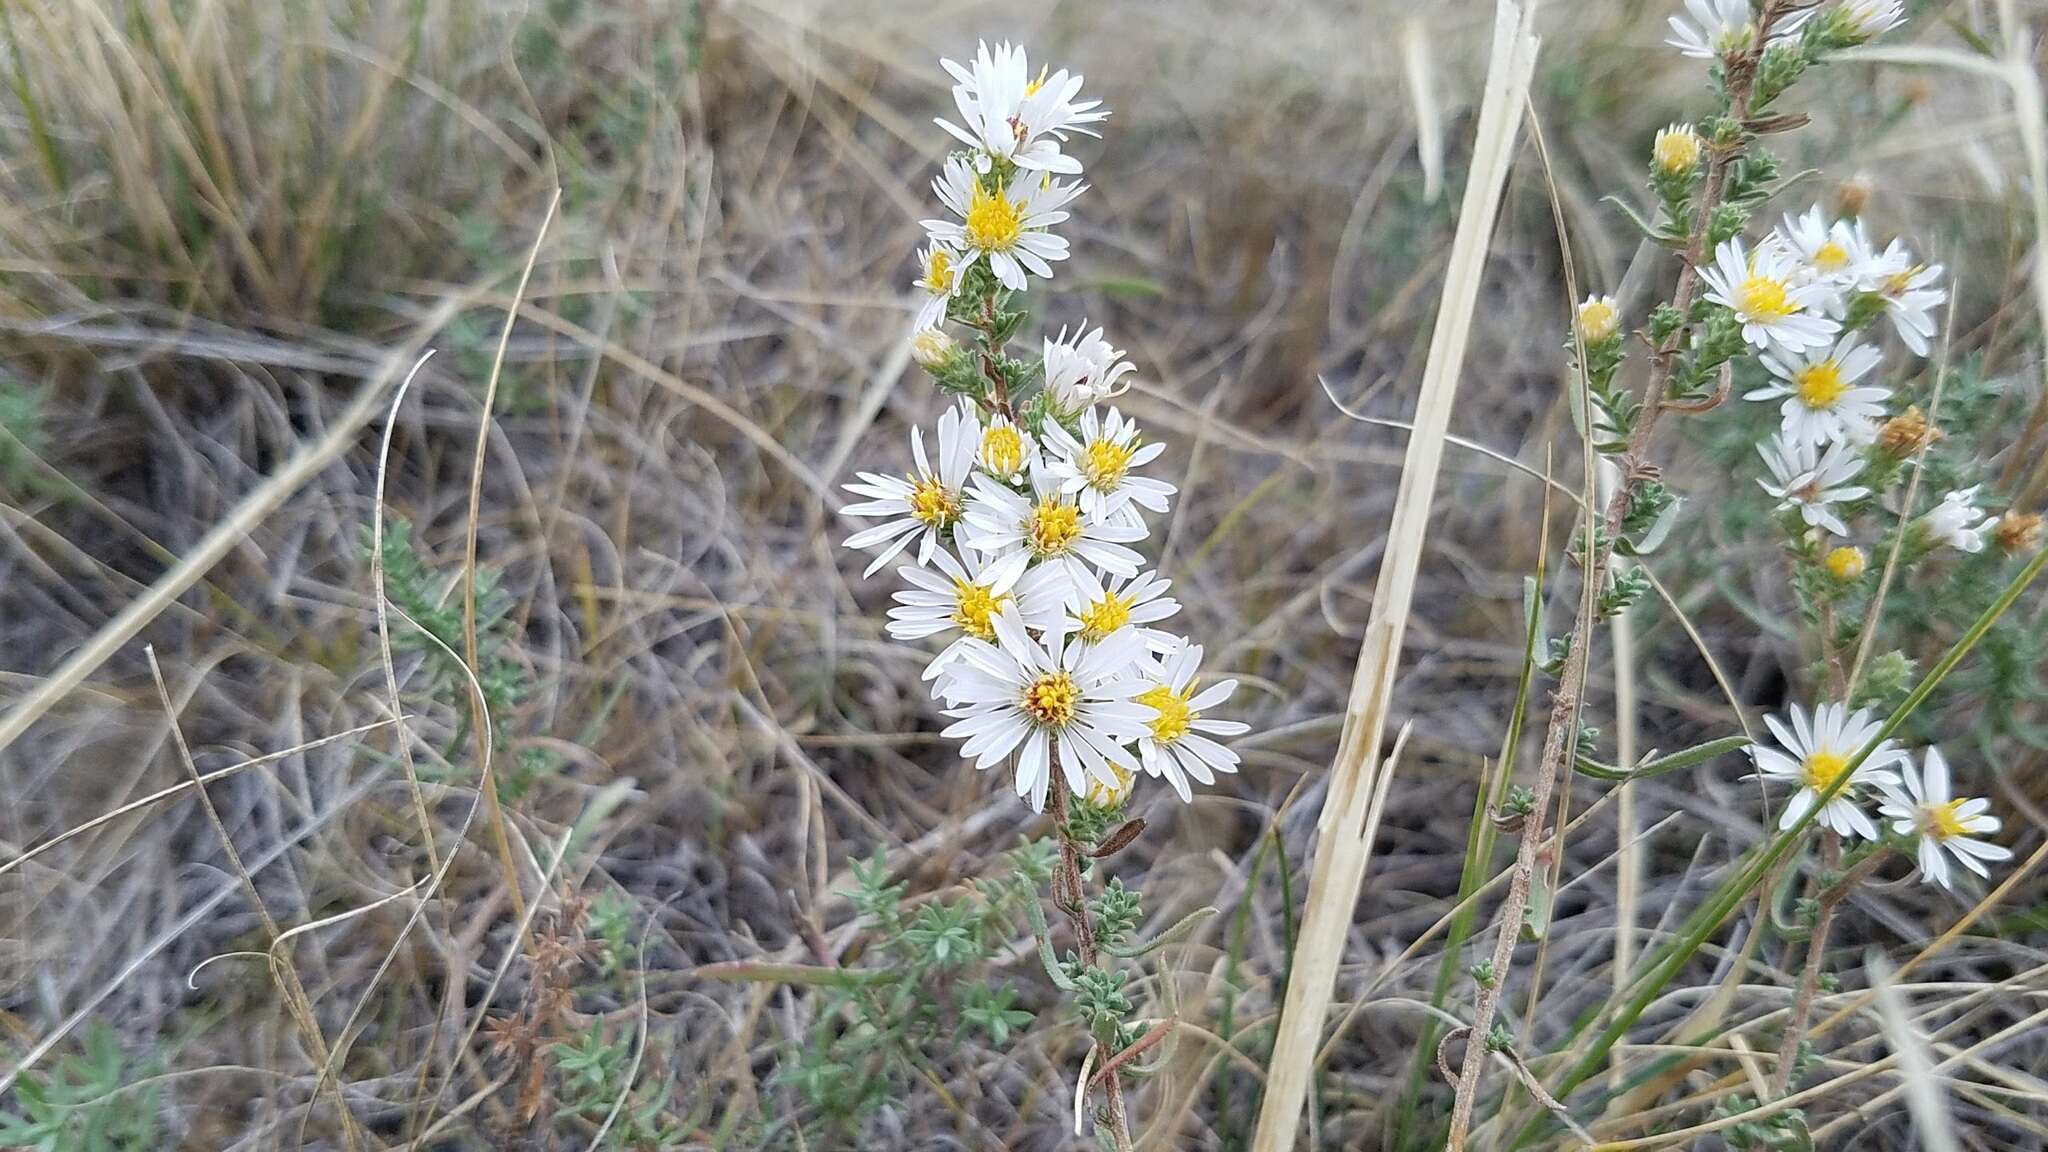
1054	527
1052	699
1764	298
1002	449
939	272
1943	821
975	609
1104	462
1830	257
1174	716
993	222
933	503
1822	769
1820	384
1105	616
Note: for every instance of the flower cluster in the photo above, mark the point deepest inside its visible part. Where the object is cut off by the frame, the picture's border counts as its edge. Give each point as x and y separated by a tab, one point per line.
1025	519
1805	314
1817	752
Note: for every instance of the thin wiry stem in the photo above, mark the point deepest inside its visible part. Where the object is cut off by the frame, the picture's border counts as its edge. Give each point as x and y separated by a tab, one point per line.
1562	735
1072	900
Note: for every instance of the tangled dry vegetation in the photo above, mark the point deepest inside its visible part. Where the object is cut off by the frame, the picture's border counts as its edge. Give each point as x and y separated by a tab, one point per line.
229	230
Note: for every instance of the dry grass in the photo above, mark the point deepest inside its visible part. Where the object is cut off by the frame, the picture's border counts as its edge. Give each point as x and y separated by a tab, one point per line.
229	228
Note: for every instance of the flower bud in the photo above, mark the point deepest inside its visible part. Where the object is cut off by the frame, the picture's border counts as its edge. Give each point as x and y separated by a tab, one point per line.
2018	533
931	347
1677	150
1907	433
1847	563
1598	319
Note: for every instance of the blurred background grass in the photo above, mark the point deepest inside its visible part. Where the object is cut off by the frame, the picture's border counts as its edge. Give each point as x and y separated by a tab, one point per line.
217	219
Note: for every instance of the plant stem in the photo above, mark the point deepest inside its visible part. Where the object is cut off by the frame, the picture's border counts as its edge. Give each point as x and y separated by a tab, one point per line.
1071	899
1561	738
1816	947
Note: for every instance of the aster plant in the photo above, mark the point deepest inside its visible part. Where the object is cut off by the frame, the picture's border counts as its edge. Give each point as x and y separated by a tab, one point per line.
1021	537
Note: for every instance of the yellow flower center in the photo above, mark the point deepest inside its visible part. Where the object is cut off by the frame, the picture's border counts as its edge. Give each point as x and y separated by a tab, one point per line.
993	222
1820	384
933	503
975	609
1897	283
1104	462
1764	298
1105	616
1032	88
1002	449
1822	769
1597	320
1846	563
1677	151
1174	716
1054	527
1103	796
1943	821
1830	257
938	272
1052	699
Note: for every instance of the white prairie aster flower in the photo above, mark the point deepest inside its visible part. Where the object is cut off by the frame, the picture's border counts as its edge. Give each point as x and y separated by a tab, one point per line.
1006	450
1942	825
1097	469
1008	114
1957	521
1835	253
1082	370
1174	744
1093	609
1007	227
1910	294
1045	701
1811	480
963	596
938	277
1822	401
1761	288
1816	755
1863	19
922	505
1717	27
1048	525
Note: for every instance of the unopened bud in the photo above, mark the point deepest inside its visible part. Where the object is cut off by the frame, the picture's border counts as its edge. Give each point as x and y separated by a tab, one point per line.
1598	319
931	347
1847	563
1677	149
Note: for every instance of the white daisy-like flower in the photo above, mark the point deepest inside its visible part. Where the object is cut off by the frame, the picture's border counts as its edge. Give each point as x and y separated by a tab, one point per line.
1804	477
1957	521
1910	293
1099	468
1046	701
1942	825
1009	115
1762	288
938	277
1008	227
1822	400
1049	525
1816	755
1084	369
1006	450
1864	19
963	596
1831	252
1721	27
1094	608
1176	741
922	505
1717	27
